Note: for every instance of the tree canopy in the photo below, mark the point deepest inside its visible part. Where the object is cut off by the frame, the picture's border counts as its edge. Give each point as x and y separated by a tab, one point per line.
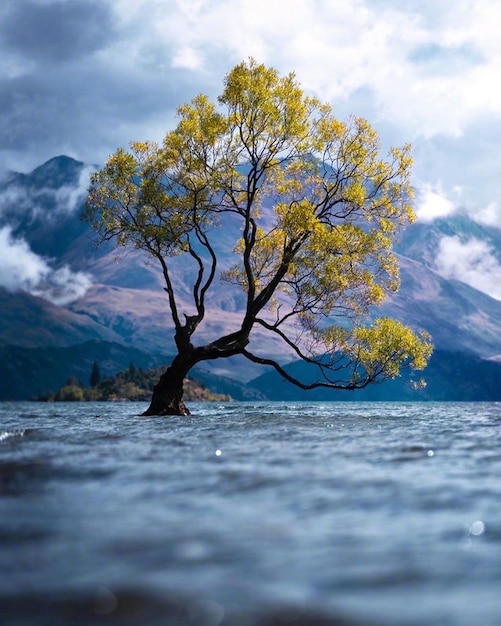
315	208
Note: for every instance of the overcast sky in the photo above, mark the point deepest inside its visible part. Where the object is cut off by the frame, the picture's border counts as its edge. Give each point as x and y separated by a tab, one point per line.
82	77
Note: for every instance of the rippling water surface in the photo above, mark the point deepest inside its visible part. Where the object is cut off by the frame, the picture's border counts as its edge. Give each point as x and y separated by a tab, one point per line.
251	514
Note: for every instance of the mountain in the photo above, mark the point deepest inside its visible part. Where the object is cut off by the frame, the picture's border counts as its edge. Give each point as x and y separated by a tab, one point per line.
41	207
459	317
457	376
31	372
59	290
32	321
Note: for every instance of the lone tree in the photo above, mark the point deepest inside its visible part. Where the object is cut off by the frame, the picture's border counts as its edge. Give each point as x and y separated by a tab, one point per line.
314	208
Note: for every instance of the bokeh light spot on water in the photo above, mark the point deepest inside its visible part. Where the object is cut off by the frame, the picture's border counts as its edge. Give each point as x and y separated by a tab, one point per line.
218	453
477	528
209	612
193	550
430	453
105	602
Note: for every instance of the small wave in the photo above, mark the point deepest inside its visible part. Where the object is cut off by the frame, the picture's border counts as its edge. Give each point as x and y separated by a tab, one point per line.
8	434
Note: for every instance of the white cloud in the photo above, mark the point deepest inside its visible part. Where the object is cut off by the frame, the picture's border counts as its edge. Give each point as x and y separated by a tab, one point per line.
472	262
22	269
432	204
19	266
62	286
420	70
187	58
432	71
69	198
489	215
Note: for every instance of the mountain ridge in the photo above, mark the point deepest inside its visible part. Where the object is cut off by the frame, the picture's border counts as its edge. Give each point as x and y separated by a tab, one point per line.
125	302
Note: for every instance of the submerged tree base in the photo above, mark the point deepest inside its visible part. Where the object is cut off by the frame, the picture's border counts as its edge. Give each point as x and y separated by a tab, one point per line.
179	409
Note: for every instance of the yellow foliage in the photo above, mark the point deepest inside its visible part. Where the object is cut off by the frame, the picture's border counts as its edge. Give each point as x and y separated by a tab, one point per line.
387	344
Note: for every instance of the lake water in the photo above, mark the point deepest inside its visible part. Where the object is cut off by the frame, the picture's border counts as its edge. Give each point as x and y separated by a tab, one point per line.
251	514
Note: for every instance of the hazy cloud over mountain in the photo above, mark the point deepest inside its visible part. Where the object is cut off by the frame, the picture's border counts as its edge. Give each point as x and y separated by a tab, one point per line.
432	203
473	262
21	202
43	203
21	268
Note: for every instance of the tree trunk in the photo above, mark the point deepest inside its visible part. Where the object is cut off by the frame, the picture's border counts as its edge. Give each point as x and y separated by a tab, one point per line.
167	396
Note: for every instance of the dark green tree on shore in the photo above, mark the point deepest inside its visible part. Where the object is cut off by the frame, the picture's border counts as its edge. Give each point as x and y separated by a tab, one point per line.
317	209
95	375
